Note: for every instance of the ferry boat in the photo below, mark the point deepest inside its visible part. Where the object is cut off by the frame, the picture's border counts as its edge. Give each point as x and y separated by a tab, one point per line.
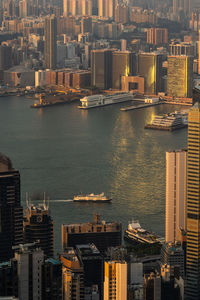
102	100
170	121
92	198
136	235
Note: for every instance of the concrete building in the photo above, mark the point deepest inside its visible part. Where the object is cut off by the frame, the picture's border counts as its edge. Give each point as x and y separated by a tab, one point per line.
11	211
176	191
133	83
8	279
157	36
152	286
40	78
29	267
19	76
72	275
199	55
115	280
101	233
106	8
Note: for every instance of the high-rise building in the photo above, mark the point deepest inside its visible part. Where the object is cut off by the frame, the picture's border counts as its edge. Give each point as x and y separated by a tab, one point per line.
193	205
93	265
52	280
38	226
106	8
178	48
77	7
11	211
175	206
8	279
50	46
180	76
72	275
157	36
102	234
152	286
121	13
101	65
123	64
115	280
5	57
150	67
29	259
172	254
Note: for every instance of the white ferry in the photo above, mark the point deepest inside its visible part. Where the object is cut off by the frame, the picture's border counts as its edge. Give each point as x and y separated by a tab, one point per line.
171	119
102	100
135	234
92	198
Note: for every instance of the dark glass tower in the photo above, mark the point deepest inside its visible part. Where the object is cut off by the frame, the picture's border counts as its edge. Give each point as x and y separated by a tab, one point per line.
50	46
11	212
38	226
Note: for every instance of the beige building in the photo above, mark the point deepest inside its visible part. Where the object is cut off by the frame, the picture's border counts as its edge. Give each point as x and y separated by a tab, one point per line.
115	280
175	218
106	8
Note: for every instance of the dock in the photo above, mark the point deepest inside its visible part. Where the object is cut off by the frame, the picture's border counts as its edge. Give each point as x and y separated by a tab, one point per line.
133	107
165	128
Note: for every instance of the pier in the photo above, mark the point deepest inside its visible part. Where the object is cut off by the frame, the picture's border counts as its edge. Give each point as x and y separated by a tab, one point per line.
133	107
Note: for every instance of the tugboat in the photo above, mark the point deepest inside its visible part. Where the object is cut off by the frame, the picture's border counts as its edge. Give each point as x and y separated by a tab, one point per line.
100	198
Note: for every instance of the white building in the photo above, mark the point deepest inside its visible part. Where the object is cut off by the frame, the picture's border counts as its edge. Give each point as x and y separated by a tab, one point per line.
175	218
29	260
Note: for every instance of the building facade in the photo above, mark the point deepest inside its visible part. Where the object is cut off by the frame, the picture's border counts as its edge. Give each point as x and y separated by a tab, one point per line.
176	190
50	46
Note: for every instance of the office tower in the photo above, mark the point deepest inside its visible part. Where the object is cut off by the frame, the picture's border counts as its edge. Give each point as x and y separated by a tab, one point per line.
193	205
150	67
199	55
11	212
172	254
50	46
103	234
152	286
123	64
106	8
175	206
72	275
93	266
101	67
180	76
8	279
115	280
182	5
52	280
38	226
157	36
29	259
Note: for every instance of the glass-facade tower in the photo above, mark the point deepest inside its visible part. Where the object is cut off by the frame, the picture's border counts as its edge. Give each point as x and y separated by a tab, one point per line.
193	205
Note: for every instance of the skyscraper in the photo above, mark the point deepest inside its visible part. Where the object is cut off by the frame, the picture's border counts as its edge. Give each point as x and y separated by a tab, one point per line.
101	65
11	211
115	280
175	212
150	67
38	225
50	46
123	64
193	205
180	76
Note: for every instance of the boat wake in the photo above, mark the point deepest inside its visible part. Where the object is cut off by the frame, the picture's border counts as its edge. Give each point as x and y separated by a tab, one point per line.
58	200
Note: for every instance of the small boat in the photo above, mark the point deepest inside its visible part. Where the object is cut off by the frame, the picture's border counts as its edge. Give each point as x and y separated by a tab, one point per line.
101	198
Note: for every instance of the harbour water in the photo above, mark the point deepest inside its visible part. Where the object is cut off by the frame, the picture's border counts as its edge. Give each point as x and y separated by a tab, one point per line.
64	151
